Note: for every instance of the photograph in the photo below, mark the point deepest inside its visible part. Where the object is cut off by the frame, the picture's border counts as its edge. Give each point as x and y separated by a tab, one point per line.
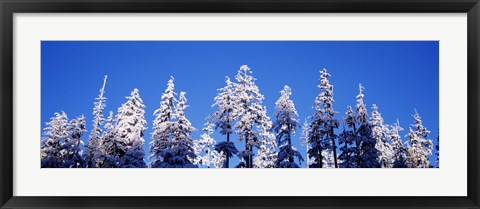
239	104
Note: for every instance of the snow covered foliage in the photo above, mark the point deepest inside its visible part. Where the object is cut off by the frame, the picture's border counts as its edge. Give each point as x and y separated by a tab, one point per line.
304	141
180	152
172	145
266	155
328	160
348	141
227	148
109	148
364	140
399	152
98	120
224	117
285	126
205	151
163	126
321	131
368	154
249	111
379	133
56	133
61	145
419	147
130	125
73	157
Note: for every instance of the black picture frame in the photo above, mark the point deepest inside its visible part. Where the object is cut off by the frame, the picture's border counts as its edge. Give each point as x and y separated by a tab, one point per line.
9	7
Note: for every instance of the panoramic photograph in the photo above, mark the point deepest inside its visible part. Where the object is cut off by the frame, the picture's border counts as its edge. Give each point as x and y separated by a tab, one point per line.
239	104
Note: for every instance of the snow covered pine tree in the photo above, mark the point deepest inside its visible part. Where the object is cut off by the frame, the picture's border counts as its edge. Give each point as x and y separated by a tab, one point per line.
321	131
224	118
368	155
181	152
379	133
266	153
73	157
172	145
110	147
162	135
249	112
204	149
98	119
130	127
399	151
285	126
419	147
347	139
61	146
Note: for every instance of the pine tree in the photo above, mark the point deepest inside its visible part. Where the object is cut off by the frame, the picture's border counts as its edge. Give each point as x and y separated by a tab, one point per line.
181	152
224	117
266	155
382	142
328	159
419	147
73	157
304	139
162	135
285	126
52	145
204	149
130	126
98	119
368	155
348	141
399	157
110	147
249	112
322	136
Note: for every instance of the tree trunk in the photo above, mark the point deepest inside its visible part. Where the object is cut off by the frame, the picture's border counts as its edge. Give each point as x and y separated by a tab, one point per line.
246	157
320	157
357	145
227	160
334	149
251	156
290	158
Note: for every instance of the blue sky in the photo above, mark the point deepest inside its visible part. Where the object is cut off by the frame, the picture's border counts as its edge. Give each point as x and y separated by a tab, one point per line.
398	76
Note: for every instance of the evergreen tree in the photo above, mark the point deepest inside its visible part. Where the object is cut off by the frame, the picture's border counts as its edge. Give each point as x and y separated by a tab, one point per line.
328	160
181	152
419	147
284	126
110	147
266	154
224	117
204	149
399	157
304	140
368	155
382	142
322	136
130	126
73	157
52	151
348	141
163	130
249	112
98	119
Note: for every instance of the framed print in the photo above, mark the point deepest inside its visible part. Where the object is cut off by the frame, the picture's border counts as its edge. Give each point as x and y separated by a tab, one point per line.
239	104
